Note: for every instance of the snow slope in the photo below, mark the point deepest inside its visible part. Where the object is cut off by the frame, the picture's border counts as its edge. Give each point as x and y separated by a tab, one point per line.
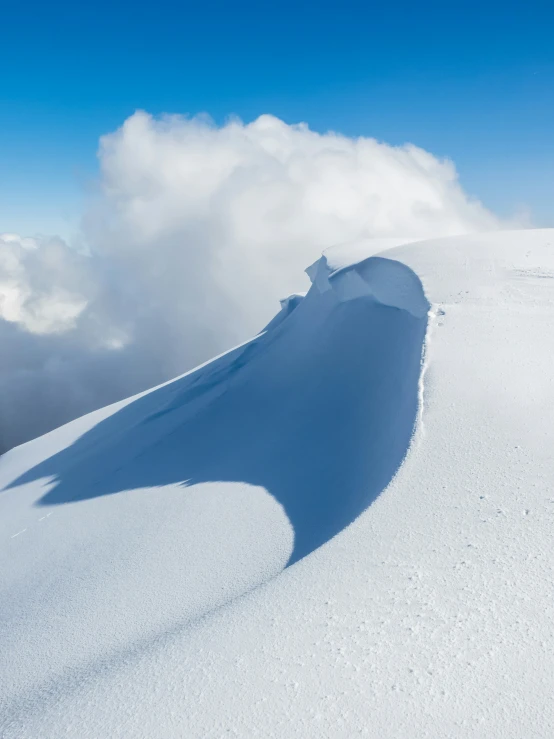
144	583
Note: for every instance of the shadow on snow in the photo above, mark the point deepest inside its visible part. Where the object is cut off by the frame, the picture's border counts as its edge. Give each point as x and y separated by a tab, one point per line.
319	411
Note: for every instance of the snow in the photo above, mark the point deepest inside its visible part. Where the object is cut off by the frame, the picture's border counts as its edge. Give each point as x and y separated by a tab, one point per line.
340	528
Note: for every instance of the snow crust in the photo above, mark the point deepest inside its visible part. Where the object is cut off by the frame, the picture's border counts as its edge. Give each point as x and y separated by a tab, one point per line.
144	586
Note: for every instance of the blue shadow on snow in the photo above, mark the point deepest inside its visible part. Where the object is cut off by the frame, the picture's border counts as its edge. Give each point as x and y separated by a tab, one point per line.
319	411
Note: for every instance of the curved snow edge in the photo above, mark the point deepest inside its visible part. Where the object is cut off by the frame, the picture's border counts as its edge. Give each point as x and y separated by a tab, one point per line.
386	280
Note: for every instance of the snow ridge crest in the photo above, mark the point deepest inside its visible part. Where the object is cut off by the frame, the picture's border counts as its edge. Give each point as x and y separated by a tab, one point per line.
387	281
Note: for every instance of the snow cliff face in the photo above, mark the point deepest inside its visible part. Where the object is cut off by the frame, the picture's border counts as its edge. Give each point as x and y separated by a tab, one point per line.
417	603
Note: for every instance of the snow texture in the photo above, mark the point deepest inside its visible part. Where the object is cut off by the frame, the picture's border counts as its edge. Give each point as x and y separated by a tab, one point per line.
340	528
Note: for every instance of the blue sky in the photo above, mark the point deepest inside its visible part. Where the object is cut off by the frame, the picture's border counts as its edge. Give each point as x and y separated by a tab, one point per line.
471	81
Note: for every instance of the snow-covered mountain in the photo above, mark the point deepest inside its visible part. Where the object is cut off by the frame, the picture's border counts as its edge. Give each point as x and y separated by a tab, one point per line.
340	528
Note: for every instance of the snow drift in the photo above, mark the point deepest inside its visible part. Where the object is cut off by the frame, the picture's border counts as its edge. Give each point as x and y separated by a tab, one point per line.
416	603
194	233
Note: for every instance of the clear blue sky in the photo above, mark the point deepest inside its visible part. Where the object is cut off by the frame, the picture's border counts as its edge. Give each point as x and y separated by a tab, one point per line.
472	81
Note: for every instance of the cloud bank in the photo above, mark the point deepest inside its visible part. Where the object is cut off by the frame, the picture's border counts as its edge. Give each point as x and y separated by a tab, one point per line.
196	233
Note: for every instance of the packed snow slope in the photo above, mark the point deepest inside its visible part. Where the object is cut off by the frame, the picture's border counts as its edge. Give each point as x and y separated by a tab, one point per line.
389	437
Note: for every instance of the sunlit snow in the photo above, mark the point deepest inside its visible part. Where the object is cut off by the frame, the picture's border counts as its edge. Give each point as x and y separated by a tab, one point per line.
340	528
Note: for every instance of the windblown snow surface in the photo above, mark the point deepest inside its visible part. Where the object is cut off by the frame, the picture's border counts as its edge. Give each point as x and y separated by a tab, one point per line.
341	528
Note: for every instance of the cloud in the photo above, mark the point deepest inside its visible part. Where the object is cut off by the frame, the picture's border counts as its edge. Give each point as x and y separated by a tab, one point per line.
34	292
196	233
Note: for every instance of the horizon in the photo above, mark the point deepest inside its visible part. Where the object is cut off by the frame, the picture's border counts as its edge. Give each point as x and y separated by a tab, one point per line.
178	167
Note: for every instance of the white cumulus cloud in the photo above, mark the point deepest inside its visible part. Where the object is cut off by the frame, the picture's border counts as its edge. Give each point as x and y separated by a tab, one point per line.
198	230
37	284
